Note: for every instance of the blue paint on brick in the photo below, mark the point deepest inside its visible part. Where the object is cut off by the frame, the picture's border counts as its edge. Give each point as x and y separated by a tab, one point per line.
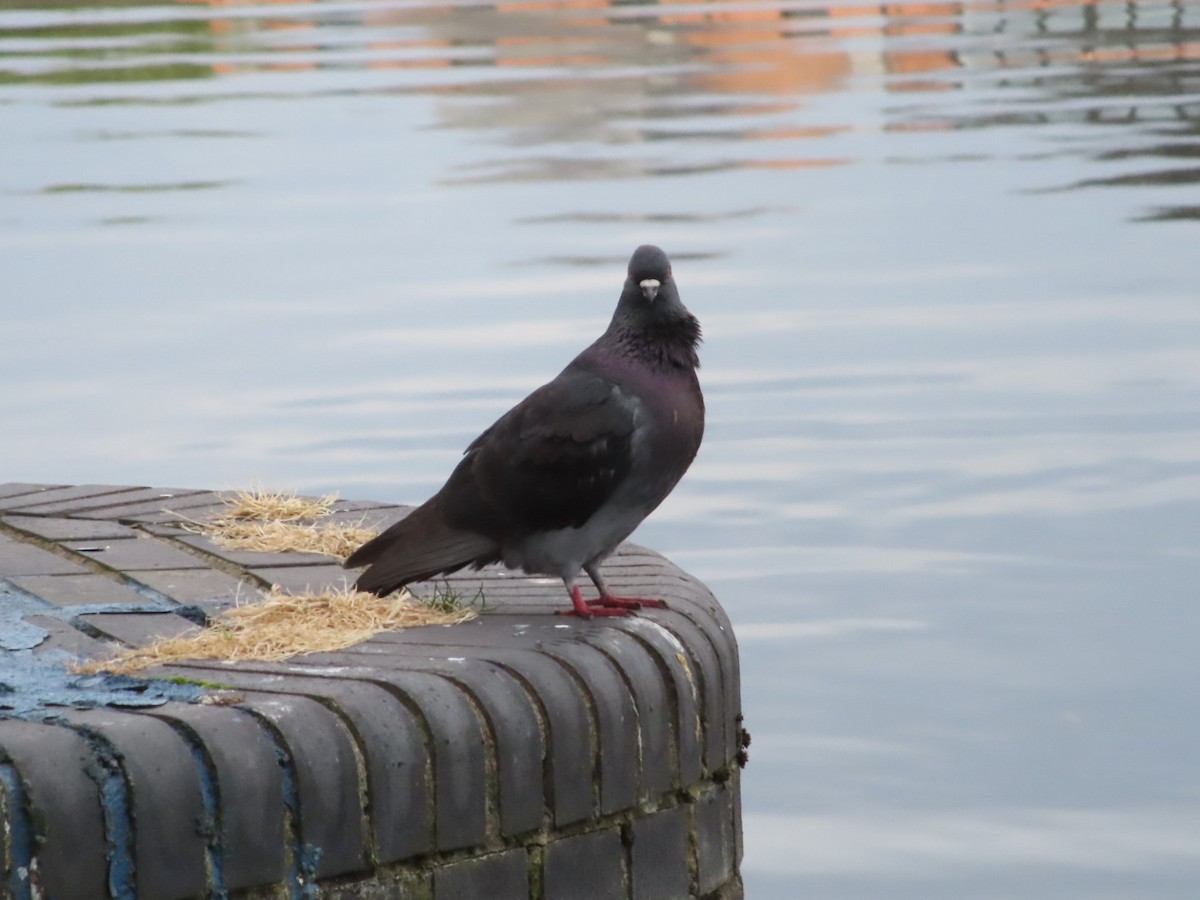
210	826
302	875
20	836
105	770
36	686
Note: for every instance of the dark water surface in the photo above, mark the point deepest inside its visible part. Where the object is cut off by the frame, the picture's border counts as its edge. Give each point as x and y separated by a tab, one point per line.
946	257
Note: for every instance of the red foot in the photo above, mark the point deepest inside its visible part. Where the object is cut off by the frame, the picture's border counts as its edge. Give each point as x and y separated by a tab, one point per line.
594	608
626	602
607	605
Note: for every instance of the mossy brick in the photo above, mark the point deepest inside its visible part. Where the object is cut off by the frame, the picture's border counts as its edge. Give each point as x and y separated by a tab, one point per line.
326	779
496	876
642	676
713	829
134	554
63	499
586	867
509	713
65	529
165	803
20	558
686	700
659	856
248	790
76	590
65	808
396	759
140	628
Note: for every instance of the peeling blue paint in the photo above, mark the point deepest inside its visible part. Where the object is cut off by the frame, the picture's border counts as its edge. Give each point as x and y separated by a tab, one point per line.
105	770
36	685
302	877
210	826
33	685
20	834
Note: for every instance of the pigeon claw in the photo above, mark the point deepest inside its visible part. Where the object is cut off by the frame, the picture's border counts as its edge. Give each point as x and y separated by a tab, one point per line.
588	609
606	605
626	602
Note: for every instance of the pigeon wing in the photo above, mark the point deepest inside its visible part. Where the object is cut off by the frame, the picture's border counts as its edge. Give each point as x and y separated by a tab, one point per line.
550	462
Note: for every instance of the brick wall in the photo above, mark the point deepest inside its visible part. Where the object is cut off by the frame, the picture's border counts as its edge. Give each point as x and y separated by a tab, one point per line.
519	755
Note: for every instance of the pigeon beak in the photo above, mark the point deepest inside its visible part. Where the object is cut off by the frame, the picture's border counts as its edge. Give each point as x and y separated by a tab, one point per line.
649	288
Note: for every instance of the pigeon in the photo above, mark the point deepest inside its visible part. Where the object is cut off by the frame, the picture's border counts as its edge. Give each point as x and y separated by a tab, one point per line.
569	472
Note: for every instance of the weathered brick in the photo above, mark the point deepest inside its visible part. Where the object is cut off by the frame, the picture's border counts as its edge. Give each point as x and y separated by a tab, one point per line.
305	576
74	590
685	696
133	554
693	600
19	558
706	674
164	798
458	752
397	760
497	876
61	636
63	499
196	507
141	628
248	790
13	489
148	499
563	708
616	722
713	811
210	590
326	779
252	558
659	856
71	846
654	722
586	867
510	714
63	529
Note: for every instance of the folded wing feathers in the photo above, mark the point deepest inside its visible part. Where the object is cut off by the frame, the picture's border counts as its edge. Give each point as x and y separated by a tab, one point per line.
415	550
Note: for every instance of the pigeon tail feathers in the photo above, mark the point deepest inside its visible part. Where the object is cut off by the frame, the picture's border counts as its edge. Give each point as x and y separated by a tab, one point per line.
418	547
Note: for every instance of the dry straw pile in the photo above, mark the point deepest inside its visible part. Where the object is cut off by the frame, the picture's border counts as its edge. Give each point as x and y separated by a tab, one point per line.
281	625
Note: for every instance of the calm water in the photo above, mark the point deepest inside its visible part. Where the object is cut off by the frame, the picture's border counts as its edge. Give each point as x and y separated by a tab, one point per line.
946	257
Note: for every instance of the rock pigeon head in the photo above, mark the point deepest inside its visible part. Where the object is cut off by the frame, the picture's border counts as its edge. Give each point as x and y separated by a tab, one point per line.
650	294
651	315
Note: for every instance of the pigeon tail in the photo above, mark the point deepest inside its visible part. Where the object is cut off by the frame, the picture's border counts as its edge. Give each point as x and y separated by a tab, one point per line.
418	547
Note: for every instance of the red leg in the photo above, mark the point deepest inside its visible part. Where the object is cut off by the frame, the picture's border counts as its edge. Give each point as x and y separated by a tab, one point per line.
585	611
609	600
